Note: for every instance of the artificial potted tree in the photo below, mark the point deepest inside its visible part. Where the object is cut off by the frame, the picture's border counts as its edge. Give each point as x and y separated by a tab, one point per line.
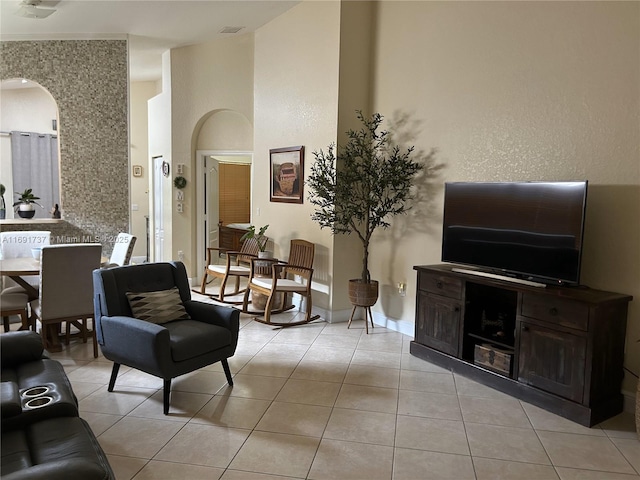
357	188
25	203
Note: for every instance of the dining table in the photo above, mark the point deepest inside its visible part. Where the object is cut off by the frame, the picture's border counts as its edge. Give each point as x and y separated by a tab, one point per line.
20	267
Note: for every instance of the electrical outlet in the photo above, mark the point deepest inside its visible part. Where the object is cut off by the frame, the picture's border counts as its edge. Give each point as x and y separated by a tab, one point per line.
181	255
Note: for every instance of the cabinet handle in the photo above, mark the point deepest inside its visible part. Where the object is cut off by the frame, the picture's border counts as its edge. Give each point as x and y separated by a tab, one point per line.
525	329
553	311
456	309
439	284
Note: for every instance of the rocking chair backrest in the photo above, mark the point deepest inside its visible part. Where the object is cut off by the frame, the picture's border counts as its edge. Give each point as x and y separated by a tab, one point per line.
249	249
300	254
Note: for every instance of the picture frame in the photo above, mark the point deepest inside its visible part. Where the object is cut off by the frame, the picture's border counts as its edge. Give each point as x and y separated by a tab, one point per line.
137	170
287	174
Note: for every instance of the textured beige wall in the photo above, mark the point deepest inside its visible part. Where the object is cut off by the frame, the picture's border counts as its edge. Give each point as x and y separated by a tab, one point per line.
296	103
205	79
89	81
521	91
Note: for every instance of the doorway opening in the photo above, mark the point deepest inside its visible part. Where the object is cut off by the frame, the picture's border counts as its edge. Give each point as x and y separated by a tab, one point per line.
223	186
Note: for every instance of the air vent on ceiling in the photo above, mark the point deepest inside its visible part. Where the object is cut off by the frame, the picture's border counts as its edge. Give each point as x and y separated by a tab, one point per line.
231	29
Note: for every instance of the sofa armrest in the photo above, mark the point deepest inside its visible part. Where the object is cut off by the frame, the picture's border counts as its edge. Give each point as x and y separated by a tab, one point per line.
10	396
150	342
20	347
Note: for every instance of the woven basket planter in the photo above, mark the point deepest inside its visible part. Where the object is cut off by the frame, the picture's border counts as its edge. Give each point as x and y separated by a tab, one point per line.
363	294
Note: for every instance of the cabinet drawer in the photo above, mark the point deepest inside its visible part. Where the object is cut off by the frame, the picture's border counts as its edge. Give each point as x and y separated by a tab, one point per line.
556	310
441	285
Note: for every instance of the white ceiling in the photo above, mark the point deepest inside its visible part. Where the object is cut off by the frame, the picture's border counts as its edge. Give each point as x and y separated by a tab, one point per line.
152	26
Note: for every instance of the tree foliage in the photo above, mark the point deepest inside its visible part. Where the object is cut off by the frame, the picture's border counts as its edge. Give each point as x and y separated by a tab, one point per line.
359	187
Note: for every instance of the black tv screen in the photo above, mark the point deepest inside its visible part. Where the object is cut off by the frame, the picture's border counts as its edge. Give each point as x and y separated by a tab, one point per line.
528	230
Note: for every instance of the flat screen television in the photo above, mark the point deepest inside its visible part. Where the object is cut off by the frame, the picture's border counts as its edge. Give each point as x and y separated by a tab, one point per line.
524	230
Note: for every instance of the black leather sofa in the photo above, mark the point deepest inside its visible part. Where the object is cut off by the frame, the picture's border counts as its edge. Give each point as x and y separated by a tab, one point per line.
43	436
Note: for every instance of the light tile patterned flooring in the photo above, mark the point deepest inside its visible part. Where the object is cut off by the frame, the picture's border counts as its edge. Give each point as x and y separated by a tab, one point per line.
322	402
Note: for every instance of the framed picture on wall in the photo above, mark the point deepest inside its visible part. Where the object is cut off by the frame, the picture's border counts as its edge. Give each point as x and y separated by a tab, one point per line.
287	174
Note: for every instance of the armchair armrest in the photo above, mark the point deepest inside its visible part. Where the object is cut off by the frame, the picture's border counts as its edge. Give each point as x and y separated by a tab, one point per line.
280	268
220	251
150	342
226	317
20	347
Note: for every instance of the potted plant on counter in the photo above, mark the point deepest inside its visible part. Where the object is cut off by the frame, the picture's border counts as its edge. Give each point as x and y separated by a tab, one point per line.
358	187
24	205
261	240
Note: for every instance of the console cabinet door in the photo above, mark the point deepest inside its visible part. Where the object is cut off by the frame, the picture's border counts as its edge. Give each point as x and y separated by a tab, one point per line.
438	323
552	360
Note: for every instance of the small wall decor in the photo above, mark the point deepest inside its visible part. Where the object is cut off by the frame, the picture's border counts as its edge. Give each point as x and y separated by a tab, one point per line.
165	168
137	170
179	182
287	174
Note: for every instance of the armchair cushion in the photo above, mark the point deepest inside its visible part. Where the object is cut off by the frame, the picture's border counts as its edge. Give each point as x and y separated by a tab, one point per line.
191	338
157	307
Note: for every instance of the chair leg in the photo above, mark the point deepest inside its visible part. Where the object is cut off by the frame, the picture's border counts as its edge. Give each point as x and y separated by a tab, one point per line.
204	282
245	299
267	308
114	374
94	338
223	285
227	371
166	394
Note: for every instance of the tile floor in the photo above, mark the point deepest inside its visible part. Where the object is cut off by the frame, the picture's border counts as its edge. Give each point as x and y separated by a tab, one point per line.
322	402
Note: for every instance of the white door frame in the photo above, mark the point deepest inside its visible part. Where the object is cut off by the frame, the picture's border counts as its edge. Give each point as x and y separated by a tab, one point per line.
158	210
200	207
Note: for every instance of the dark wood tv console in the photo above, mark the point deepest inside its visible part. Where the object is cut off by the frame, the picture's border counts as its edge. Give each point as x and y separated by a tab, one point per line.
560	348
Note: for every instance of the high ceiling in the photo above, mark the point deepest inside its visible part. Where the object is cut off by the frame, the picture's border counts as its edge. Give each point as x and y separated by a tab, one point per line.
152	26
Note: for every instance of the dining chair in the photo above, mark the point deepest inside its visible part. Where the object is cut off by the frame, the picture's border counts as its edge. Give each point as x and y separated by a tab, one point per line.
14	304
287	278
19	244
237	265
66	291
122	250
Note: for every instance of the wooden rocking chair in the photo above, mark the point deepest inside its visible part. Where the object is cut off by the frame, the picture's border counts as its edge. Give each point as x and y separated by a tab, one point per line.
238	265
293	276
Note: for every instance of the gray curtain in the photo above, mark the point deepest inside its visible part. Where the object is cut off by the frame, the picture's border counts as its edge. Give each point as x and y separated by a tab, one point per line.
35	165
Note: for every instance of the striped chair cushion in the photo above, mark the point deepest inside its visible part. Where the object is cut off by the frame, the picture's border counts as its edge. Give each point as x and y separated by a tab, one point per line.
157	307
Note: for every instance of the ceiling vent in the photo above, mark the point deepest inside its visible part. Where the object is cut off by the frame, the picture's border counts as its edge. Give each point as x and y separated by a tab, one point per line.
231	29
30	9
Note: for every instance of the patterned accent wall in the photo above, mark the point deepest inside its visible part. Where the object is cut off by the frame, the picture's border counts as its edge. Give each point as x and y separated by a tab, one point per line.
88	79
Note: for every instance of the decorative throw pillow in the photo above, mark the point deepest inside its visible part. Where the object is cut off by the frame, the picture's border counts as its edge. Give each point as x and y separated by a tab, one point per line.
157	307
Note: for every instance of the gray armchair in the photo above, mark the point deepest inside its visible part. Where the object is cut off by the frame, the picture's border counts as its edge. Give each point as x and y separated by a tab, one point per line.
166	350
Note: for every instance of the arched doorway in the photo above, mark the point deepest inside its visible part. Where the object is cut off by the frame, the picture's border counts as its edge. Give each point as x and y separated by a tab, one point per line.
29	148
